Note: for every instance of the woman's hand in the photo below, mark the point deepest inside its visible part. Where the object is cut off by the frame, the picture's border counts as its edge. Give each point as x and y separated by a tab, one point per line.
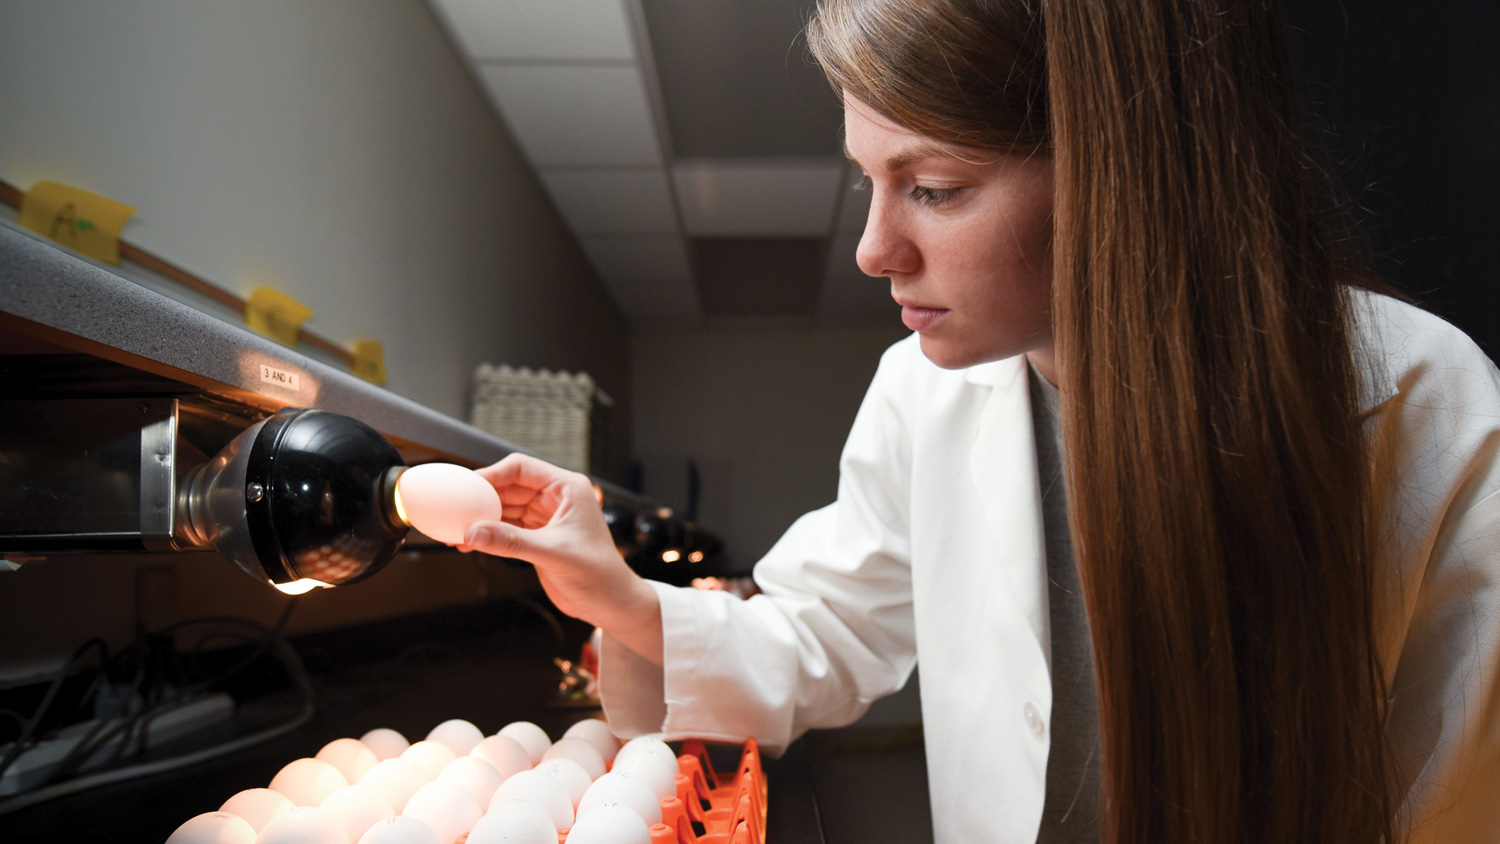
550	518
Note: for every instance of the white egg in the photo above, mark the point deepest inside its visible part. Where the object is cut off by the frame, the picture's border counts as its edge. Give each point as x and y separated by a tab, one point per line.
514	822
536	787
400	830
358	808
304	825
610	825
475	776
614	789
579	750
258	806
529	736
571	774
385	742
352	757
446	807
652	768
459	735
441	500
597	733
308	781
505	754
218	828
396	780
432	755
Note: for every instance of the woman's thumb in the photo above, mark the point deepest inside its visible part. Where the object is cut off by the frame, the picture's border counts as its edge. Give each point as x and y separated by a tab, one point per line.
498	539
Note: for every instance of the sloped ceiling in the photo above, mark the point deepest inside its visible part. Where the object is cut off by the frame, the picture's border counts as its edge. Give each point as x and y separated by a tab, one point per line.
691	145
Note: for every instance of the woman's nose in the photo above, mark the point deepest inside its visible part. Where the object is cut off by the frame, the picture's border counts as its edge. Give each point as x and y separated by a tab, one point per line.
885	249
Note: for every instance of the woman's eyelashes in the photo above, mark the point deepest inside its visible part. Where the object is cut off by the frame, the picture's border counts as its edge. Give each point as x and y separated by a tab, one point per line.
932	196
918	193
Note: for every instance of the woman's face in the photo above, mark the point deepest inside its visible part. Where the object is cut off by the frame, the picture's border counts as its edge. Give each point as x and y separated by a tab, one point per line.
965	236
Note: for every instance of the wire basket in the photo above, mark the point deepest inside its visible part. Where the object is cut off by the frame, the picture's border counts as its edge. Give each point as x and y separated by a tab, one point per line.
546	413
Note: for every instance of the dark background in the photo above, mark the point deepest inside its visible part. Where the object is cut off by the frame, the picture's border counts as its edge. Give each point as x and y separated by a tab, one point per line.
1411	93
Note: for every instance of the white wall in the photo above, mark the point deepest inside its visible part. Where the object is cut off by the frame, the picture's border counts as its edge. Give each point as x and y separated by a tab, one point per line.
336	150
763	413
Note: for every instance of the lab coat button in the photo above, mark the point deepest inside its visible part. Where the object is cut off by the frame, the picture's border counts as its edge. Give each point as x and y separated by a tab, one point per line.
1034	719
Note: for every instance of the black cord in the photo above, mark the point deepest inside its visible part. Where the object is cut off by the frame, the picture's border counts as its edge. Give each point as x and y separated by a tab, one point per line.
300	678
28	733
271	635
271	639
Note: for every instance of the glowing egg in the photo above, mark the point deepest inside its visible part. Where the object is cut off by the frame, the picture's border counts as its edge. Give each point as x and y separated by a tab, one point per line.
396	780
219	828
357	808
352	757
304	825
514	822
652	767
431	755
385	742
400	830
529	736
505	754
447	808
308	781
597	733
258	806
575	780
610	825
459	735
579	750
475	776
441	500
614	789
536	787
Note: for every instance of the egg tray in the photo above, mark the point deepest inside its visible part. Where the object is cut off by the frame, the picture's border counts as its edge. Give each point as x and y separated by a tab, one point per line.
714	808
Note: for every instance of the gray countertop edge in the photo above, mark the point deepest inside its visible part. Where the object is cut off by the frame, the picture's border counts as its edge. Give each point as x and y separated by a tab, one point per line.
48	285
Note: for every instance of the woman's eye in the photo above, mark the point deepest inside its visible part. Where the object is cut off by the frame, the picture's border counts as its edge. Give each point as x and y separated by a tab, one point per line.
862	184
932	196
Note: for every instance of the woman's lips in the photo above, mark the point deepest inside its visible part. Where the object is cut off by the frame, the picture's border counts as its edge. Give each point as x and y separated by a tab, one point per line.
918	318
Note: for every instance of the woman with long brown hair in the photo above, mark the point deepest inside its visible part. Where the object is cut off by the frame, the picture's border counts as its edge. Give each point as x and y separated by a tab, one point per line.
1217	522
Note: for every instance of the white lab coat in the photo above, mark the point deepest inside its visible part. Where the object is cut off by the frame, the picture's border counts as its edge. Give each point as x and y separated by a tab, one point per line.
933	553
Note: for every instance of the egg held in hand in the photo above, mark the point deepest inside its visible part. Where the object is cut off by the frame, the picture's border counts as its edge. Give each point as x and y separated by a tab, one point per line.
441	500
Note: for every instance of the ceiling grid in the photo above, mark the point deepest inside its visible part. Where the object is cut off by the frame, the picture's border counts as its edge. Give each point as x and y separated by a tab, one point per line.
754	221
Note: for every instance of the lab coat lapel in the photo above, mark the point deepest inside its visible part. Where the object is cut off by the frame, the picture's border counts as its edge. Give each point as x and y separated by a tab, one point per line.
1002	466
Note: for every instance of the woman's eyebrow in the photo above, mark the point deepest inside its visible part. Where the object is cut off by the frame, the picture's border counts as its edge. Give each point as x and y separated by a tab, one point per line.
904	159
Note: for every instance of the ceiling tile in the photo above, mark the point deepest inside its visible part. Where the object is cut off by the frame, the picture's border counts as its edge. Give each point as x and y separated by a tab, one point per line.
576	115
854	205
658	261
847	292
737	80
527	30
613	202
655	302
758	197
758	276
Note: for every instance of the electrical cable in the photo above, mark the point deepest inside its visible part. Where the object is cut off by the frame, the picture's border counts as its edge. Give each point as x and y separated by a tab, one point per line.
296	671
273	634
63	673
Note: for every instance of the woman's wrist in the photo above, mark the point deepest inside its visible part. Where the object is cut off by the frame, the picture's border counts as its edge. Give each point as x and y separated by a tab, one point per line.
635	620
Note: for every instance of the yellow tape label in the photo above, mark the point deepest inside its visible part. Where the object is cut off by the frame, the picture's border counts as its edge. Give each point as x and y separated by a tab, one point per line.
77	219
369	361
276	315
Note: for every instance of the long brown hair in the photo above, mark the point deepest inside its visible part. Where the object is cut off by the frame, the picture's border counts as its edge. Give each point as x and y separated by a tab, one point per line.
1218	479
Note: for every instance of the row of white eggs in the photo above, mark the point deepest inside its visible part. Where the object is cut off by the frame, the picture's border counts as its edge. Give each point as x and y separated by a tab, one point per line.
516	787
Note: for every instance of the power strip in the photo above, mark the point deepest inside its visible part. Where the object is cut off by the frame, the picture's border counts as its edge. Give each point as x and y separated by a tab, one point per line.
36	763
